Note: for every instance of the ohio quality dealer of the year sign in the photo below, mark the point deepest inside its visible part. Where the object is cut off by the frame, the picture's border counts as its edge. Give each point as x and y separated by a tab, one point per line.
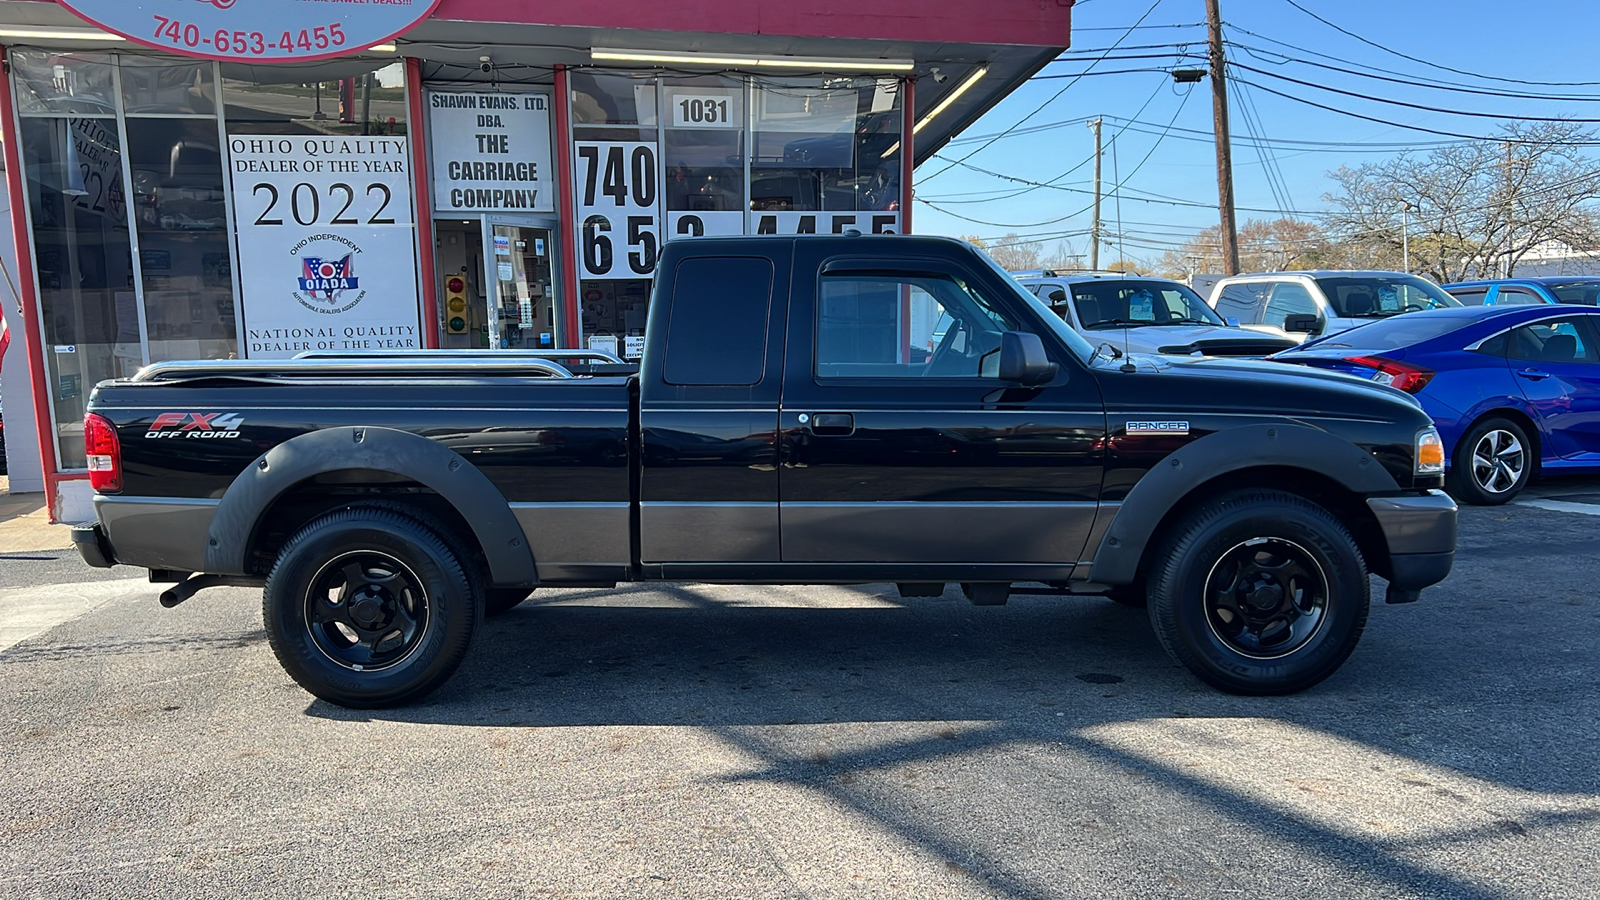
255	30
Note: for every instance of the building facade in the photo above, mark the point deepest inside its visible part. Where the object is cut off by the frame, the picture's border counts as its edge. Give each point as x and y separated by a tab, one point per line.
497	175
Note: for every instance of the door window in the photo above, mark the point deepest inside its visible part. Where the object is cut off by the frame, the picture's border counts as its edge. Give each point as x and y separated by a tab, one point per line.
914	326
1289	305
1470	296
1554	341
1516	297
1240	301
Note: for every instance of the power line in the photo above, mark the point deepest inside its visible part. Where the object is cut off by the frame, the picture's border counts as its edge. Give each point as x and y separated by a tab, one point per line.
1350	67
1421	106
1433	65
1040	108
1455	134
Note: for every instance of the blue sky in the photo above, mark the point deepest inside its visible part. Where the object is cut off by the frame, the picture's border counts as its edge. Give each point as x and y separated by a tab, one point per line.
1550	41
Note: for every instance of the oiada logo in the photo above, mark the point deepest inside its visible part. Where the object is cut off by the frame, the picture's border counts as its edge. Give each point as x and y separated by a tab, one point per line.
195	425
326	279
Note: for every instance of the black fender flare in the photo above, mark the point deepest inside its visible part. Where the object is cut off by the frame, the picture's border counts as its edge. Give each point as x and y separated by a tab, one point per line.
1246	447
388	450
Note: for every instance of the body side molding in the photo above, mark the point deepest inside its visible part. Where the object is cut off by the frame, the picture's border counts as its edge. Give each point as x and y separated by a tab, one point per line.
390	450
1116	561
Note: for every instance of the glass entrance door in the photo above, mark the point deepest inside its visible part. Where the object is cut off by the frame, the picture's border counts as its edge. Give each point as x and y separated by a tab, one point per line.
522	307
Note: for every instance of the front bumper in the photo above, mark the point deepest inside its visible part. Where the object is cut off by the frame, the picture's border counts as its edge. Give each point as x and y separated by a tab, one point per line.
1421	533
93	546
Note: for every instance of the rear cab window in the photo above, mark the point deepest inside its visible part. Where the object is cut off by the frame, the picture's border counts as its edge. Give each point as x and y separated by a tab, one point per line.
717	331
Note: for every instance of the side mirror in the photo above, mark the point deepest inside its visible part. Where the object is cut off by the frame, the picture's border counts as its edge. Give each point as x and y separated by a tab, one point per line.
1023	360
1303	322
1231	321
1058	297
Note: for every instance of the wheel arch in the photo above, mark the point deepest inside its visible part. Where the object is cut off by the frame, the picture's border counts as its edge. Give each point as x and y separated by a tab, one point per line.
388	461
1530	427
1316	465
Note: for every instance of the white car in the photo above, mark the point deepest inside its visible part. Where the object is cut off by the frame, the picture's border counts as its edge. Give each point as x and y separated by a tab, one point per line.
1137	314
1304	305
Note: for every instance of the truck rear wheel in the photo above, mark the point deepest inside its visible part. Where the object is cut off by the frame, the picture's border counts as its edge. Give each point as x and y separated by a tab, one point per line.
1259	592
368	608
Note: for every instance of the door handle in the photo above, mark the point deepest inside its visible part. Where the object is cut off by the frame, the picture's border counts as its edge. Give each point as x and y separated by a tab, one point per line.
1534	374
830	424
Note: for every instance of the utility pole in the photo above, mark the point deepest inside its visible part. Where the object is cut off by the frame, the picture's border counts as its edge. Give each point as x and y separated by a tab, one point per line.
1094	227
1219	116
1405	235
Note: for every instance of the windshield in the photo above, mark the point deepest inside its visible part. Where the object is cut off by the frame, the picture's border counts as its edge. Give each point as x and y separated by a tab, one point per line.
1076	341
1125	302
1380	296
1584	292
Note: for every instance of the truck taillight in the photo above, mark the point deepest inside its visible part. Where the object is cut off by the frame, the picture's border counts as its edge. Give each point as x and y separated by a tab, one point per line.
104	452
1398	375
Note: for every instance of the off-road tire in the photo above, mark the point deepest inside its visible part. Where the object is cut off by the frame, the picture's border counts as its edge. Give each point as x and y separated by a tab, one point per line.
445	592
1188	618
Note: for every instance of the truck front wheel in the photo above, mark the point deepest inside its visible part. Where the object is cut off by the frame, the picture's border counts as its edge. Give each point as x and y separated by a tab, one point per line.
367	608
1259	592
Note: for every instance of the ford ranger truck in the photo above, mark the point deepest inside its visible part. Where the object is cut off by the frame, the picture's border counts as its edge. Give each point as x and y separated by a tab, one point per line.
795	419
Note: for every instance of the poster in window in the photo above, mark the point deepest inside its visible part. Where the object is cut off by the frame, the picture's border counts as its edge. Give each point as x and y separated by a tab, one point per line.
327	247
490	151
614	187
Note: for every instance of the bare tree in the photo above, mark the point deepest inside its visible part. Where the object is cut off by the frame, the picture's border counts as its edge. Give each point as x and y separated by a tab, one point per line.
1474	209
1264	246
1012	252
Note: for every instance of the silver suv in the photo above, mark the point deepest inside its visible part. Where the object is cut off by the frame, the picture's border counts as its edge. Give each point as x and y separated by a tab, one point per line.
1145	315
1303	305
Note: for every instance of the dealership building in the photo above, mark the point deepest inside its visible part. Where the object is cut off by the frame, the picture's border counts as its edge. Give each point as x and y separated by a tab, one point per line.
260	178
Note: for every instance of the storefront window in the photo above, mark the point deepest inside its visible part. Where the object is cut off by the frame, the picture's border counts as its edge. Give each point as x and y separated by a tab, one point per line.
704	155
826	145
362	99
181	214
155	87
72	83
613	107
84	259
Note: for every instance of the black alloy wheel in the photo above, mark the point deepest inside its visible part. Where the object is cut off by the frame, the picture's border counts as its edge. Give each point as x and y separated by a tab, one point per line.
369	608
1493	462
1259	592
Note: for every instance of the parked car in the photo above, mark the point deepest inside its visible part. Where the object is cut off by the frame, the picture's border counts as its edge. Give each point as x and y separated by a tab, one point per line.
776	432
1145	315
1513	390
1303	305
1527	291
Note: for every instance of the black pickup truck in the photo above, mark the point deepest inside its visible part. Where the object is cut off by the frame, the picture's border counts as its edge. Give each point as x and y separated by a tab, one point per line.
820	409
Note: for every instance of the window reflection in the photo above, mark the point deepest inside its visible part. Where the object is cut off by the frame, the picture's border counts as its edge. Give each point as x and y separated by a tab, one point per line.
152	87
181	213
826	144
63	82
271	100
84	263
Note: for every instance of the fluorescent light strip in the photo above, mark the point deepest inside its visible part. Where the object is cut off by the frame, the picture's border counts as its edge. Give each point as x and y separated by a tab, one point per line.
950	98
60	34
778	62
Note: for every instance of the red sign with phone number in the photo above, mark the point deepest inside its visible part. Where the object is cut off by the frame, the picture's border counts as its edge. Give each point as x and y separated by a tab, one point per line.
256	30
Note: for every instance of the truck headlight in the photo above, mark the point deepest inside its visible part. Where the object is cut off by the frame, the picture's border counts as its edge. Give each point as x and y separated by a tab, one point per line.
1430	453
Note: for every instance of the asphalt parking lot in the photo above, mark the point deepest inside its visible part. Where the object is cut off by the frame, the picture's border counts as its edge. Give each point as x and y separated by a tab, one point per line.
738	742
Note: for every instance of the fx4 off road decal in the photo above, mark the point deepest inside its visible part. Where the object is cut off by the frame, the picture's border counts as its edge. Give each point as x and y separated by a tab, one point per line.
195	425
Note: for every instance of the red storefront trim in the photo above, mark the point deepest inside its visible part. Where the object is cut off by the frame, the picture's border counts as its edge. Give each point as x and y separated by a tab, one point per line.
416	132
570	323
32	340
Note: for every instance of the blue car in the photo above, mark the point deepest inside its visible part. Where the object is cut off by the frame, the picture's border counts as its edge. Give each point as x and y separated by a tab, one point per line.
1527	291
1513	390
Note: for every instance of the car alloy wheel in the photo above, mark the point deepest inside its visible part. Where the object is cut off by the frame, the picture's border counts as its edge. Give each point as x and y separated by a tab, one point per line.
1498	459
1266	597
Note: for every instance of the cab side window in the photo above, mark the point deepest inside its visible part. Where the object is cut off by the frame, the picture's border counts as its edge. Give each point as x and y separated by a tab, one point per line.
913	326
1290	306
1470	296
1240	301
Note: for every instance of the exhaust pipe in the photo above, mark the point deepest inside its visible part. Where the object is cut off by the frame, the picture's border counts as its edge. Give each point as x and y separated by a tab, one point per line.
194	584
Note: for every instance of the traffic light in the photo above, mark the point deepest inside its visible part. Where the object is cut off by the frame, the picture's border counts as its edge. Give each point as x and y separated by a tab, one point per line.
455	304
